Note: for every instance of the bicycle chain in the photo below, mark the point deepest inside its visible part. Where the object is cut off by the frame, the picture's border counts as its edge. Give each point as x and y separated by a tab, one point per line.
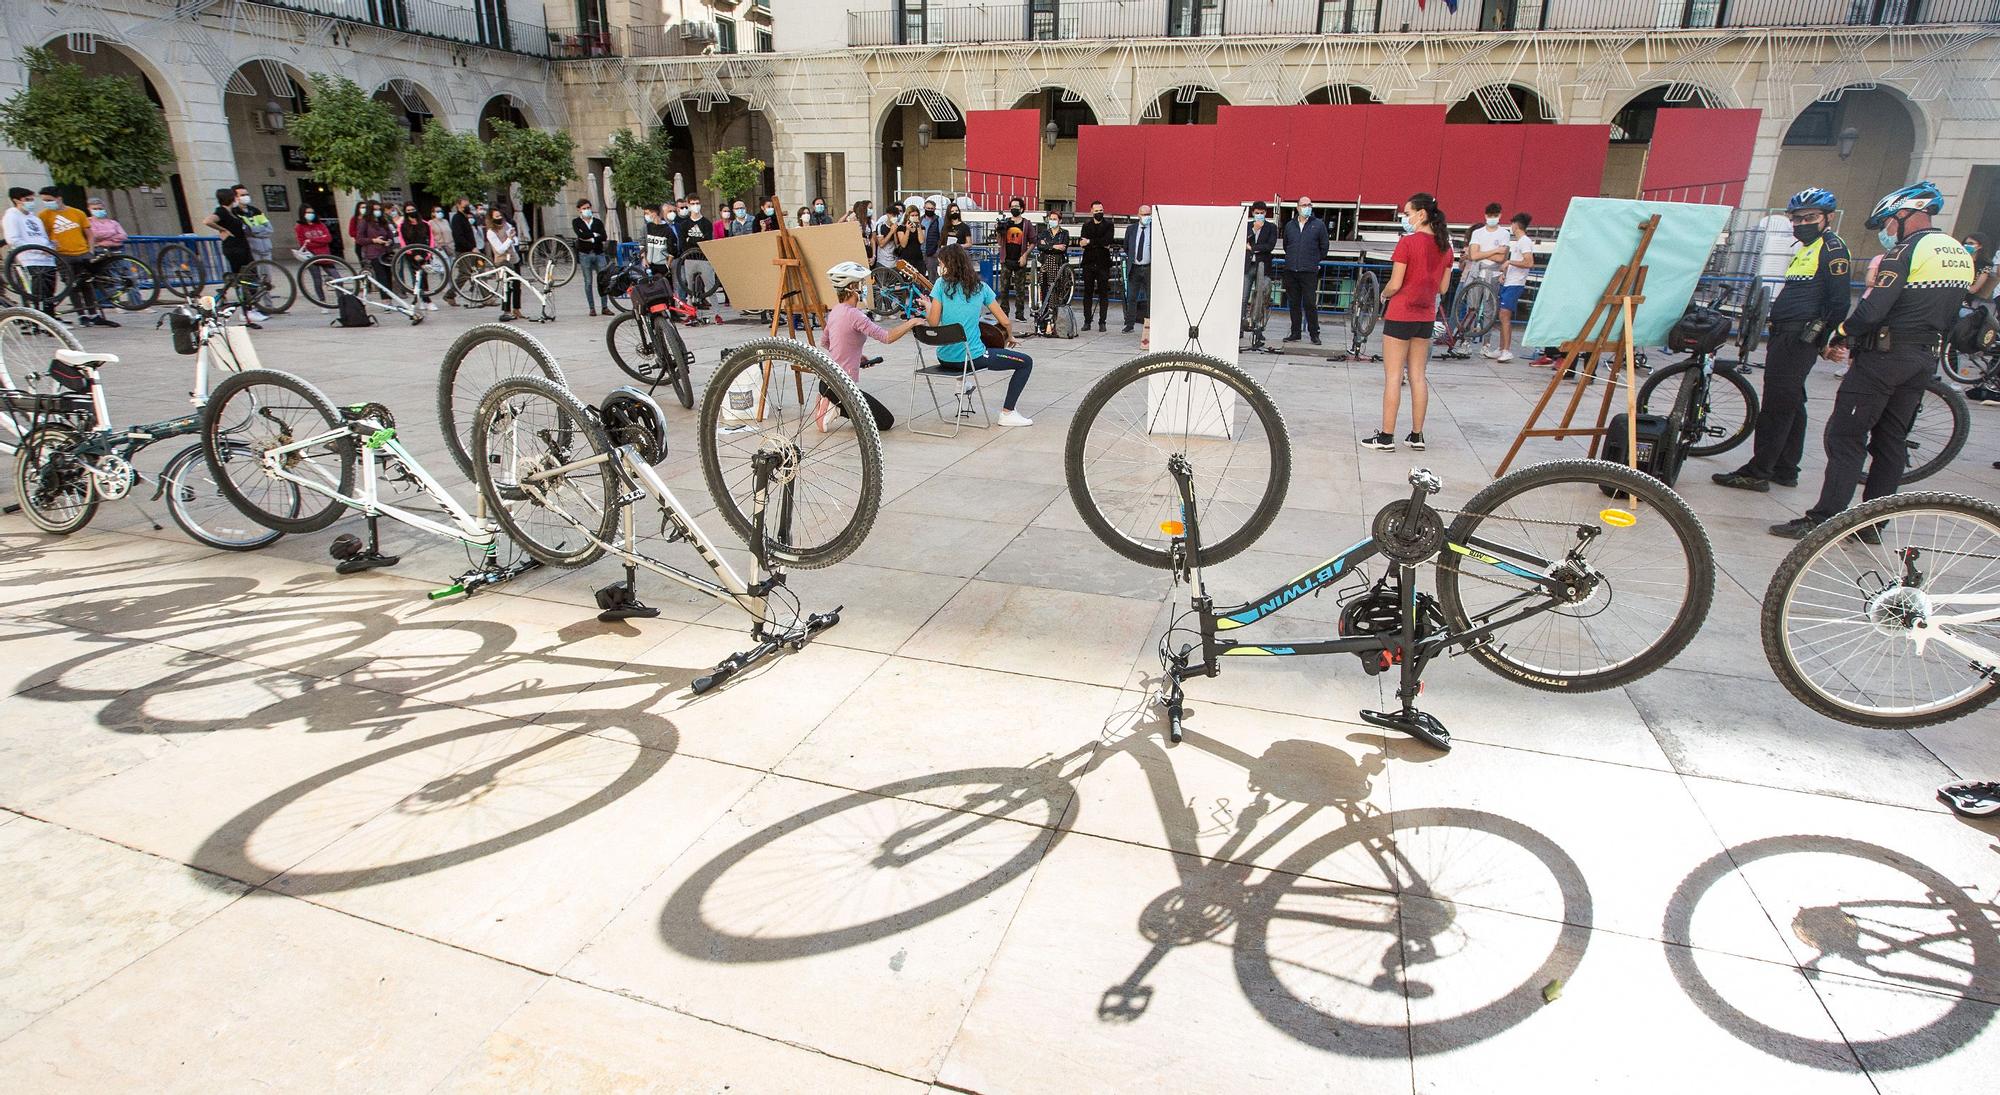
1441	565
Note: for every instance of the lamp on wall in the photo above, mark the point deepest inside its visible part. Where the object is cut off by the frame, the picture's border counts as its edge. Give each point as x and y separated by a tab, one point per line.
923	134
1847	138
1049	132
274	116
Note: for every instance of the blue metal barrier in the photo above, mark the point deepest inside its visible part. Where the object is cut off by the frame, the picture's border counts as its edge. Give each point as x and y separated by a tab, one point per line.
207	252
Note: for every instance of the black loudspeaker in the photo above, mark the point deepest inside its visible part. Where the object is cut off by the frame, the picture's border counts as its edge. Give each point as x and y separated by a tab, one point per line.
1659	447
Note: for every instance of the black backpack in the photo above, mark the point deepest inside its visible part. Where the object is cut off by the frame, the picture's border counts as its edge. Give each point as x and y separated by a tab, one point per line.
1975	332
349	311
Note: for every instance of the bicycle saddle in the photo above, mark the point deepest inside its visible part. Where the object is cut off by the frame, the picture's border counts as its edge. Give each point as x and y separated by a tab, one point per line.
81	358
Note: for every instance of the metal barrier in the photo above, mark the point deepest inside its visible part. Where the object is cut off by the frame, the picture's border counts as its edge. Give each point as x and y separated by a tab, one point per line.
207	253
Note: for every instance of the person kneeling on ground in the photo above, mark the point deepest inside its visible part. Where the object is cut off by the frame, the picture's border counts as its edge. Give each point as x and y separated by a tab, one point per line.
960	297
848	330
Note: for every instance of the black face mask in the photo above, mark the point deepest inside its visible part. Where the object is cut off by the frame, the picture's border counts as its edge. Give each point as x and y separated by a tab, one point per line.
1097	216
1806	233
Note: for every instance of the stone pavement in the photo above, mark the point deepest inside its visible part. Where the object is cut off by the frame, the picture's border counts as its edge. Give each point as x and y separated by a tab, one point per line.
269	826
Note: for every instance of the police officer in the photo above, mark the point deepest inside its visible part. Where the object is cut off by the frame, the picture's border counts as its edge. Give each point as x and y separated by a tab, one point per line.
1812	303
1894	333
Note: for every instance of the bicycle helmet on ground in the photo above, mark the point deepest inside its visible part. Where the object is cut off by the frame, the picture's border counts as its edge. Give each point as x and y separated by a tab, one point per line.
1700	331
848	275
1921	197
1814	199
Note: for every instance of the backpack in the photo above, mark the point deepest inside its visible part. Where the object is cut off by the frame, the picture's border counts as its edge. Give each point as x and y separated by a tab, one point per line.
349	311
1975	332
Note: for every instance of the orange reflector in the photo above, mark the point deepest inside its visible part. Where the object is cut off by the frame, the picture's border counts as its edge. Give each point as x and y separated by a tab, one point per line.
1172	528
1618	518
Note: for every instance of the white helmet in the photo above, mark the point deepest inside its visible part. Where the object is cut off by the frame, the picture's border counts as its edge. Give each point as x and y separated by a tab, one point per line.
848	275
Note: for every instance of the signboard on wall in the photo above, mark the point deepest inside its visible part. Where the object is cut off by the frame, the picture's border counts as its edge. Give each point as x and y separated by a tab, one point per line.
277	199
294	157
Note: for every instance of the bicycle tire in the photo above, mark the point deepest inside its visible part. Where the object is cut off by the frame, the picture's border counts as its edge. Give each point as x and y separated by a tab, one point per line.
32	461
496	445
1152	547
732	487
680	363
22	331
273	290
1732	435
1693	581
552	262
1750	326
224	449
316	279
640	360
462	385
1941	401
1478	309
410	271
181	481
1964	368
130	284
180	270
20	280
1838	533
1365	309
472	293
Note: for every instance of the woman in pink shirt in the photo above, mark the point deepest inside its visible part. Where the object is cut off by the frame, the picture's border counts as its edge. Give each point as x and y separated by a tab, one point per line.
848	330
1422	265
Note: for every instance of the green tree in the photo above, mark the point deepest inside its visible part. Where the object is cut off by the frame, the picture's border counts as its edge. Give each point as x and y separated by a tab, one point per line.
92	131
352	142
734	173
541	161
641	172
450	165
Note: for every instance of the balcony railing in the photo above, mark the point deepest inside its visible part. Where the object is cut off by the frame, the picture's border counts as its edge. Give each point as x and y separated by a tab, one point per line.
1067	20
460	22
669	40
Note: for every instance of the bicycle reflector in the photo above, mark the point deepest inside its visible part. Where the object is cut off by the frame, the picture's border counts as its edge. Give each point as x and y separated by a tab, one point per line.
1173	528
1618	518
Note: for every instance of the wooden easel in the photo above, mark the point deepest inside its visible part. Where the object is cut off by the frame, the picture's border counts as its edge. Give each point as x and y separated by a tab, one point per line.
1611	320
798	305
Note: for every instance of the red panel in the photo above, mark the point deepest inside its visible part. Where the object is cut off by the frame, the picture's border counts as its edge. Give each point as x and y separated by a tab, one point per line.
1180	166
1110	167
1003	153
1693	147
1480	165
1401	148
1325	163
1560	162
1250	152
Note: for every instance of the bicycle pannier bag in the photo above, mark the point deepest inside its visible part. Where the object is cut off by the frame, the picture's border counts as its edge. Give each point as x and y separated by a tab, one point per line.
350	312
183	327
652	295
1975	331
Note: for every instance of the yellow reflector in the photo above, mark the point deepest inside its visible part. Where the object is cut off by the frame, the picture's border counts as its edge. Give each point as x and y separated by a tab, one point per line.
1172	528
1618	518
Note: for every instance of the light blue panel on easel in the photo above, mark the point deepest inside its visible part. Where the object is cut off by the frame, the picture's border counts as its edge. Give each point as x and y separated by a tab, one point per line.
1598	236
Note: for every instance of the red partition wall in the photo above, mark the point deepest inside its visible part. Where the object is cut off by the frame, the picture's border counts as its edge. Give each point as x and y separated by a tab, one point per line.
1700	155
1111	167
1401	149
1251	149
1559	162
1325	163
1482	163
1180	164
1003	154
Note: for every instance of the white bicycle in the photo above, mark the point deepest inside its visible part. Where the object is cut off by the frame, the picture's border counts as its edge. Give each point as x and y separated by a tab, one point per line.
480	281
323	280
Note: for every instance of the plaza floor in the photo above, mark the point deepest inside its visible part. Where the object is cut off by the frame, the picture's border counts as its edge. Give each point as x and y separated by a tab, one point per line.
262	825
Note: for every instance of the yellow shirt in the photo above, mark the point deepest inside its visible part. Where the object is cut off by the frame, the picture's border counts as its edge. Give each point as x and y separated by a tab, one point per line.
69	230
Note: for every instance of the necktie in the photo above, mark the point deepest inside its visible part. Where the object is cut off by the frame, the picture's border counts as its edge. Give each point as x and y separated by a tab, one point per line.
1145	245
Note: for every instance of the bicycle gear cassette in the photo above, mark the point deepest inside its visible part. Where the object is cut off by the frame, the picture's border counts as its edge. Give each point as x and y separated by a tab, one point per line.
1404	538
373	412
112	476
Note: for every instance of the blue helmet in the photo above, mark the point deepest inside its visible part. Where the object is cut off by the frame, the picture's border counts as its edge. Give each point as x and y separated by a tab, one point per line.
1812	198
1921	197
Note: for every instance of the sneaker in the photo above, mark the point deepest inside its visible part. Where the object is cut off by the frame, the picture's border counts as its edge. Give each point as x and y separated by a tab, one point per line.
1014	418
1785	480
1315	339
104	321
430	306
1795	529
1973	798
255	316
1415	440
505	317
1742	481
1290	338
1545	361
1381	442
1490	353
1504	356
1983	394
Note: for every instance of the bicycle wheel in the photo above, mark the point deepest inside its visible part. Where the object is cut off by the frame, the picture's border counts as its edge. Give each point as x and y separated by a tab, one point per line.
892	294
22	264
417	272
1732	407
54	488
473	291
276	410
526	426
1365	310
1842	616
197	504
1750	325
317	277
1964	368
552	262
268	287
792	400
1167	406
678	360
1478	309
632	350
477	360
28	341
1938	430
180	270
127	283
1642	574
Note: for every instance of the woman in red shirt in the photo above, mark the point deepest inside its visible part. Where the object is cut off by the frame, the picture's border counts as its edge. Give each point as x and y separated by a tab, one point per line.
1422	266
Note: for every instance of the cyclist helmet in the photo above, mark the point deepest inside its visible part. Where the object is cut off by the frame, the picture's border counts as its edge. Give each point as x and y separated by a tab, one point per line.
1922	197
848	275
1812	199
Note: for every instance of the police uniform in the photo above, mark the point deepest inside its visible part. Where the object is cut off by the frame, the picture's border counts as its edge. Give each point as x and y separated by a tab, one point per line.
1811	304
1895	331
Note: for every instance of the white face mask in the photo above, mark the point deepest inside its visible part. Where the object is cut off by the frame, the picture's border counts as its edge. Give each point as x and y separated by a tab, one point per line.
587	214
1493	222
694	210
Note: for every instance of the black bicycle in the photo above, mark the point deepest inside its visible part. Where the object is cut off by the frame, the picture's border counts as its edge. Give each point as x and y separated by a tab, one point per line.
645	344
112	279
1714	407
1178	460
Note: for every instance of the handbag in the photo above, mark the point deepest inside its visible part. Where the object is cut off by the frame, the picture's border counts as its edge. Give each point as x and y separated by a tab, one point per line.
302	254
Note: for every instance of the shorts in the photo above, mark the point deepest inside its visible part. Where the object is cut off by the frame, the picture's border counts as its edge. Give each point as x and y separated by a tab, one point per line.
1408	328
1510	295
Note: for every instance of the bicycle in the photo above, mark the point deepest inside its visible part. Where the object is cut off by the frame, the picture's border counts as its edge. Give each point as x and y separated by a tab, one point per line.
70	457
1364	312
563	480
900	292
552	262
1888	614
1473	310
325	278
645	345
481	281
260	284
29	338
1709	418
1171	448
1051	291
108	278
418	271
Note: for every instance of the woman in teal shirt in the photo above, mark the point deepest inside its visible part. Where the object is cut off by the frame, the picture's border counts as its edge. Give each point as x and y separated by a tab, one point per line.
960	297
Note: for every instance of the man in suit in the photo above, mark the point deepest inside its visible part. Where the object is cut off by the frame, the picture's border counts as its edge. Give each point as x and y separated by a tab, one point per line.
1260	239
1138	267
1305	249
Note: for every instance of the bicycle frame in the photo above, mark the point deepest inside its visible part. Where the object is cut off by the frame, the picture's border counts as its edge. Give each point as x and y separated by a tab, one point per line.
353	283
494	280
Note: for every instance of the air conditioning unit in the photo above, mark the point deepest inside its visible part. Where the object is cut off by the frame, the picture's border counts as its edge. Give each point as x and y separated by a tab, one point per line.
698	32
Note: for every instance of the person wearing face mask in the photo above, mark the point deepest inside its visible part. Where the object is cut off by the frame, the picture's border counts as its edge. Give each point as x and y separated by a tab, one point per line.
910	239
1051	256
1095	267
1813	300
697	276
955	229
767	218
24	228
1485	257
1418	272
414	232
227	222
374	239
1514	281
1015	237
464	227
1138	248
1894	333
1305	248
106	234
804	218
660	242
503	246
933	226
739	221
315	239
591	240
68	229
1260	239
820	213
256	226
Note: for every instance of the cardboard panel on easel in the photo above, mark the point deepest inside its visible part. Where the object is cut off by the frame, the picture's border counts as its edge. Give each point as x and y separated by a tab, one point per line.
745	264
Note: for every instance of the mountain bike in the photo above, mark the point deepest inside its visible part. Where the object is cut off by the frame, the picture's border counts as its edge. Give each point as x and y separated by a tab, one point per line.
648	348
418	271
1364	312
564	481
900	292
262	284
71	458
1473	310
325	278
1714	407
481	281
552	262
1179	460
111	278
1888	614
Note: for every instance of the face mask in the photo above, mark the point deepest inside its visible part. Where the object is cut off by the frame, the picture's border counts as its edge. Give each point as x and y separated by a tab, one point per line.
242	201
587	214
1145	218
310	217
1257	217
1404	220
1887	238
819	207
1971	248
1806	233
100	212
743	214
1493	222
1305	210
767	210
694	210
51	203
1097	215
